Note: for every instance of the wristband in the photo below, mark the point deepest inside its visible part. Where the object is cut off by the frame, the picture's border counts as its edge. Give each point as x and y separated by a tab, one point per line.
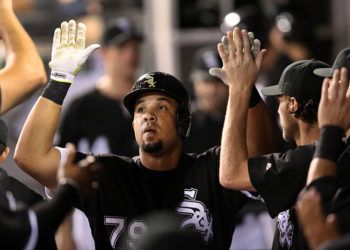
255	98
56	91
330	144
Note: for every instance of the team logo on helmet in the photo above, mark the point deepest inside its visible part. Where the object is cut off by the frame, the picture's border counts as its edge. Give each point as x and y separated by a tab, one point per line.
150	81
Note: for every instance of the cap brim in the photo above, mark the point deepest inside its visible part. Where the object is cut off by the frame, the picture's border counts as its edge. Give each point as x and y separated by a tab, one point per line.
271	91
202	75
130	99
324	72
118	40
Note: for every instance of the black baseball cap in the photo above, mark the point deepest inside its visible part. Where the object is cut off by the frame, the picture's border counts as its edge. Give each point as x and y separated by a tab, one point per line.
119	31
204	59
342	60
298	80
157	82
3	135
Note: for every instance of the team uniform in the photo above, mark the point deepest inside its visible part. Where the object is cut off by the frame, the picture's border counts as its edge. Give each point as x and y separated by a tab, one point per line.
202	124
35	227
81	125
128	192
278	178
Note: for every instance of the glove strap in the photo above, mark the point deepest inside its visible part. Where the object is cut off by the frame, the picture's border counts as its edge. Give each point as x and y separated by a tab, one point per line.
63	77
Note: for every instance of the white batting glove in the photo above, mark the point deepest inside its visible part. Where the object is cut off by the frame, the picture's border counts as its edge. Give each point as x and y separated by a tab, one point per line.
68	51
255	49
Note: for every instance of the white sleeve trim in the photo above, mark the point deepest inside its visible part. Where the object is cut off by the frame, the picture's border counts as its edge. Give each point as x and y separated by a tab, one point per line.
34	232
63	158
253	197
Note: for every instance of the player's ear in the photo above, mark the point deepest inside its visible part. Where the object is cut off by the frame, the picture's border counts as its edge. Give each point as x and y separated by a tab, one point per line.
292	105
4	154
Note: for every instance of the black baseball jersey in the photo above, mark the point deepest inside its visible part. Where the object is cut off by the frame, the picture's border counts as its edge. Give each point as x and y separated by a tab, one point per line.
15	194
33	228
17	229
203	124
98	124
279	178
128	192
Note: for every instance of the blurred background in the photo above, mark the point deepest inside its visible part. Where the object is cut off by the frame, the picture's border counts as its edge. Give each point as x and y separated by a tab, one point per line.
173	30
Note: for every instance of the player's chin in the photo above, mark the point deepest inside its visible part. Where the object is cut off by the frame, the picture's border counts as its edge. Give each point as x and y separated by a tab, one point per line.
152	147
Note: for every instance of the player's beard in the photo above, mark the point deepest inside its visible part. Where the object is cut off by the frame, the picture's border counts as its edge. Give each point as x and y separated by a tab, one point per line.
153	147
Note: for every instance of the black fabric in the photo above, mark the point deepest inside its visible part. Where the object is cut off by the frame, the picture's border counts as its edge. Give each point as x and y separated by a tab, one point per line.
205	132
124	197
50	214
341	244
24	197
96	123
255	98
15	228
279	177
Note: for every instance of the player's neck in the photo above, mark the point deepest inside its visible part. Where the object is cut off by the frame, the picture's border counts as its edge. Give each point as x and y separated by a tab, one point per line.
308	134
114	88
162	161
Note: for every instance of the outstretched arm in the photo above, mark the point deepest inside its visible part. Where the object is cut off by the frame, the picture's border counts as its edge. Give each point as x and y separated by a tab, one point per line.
24	71
333	120
42	220
242	128
34	152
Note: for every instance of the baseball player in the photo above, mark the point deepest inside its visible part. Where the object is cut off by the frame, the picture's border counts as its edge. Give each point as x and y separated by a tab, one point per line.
328	173
278	178
24	71
162	177
31	228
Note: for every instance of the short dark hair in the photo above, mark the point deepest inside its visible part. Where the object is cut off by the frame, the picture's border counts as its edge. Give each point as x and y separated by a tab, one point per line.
307	110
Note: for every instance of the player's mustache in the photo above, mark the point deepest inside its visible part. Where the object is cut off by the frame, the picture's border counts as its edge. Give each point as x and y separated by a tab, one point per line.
148	125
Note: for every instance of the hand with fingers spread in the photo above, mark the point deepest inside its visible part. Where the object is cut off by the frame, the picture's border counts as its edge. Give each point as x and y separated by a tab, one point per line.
241	57
69	52
83	174
335	101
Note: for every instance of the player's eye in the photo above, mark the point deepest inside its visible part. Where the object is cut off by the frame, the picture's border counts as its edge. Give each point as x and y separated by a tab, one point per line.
140	110
162	107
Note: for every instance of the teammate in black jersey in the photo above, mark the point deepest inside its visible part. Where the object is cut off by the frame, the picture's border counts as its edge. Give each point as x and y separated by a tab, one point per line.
162	177
277	177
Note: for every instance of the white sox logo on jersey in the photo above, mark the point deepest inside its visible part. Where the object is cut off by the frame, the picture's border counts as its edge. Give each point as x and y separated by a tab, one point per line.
199	217
285	228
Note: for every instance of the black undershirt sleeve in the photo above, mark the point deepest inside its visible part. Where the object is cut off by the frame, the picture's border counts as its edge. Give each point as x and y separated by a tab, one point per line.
50	214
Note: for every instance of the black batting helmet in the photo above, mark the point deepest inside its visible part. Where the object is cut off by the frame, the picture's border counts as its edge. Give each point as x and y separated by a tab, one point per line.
165	84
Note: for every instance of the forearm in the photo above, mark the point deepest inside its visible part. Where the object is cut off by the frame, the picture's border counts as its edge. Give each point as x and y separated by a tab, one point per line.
34	152
260	131
234	153
24	71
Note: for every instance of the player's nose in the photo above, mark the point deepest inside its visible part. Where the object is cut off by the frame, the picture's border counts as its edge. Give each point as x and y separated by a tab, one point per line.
149	116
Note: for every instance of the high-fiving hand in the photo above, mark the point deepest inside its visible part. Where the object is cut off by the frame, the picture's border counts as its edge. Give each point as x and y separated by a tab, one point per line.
238	47
335	100
69	52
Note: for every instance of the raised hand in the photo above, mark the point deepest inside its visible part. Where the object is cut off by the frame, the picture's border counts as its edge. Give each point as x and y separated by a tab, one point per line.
335	100
237	53
69	52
